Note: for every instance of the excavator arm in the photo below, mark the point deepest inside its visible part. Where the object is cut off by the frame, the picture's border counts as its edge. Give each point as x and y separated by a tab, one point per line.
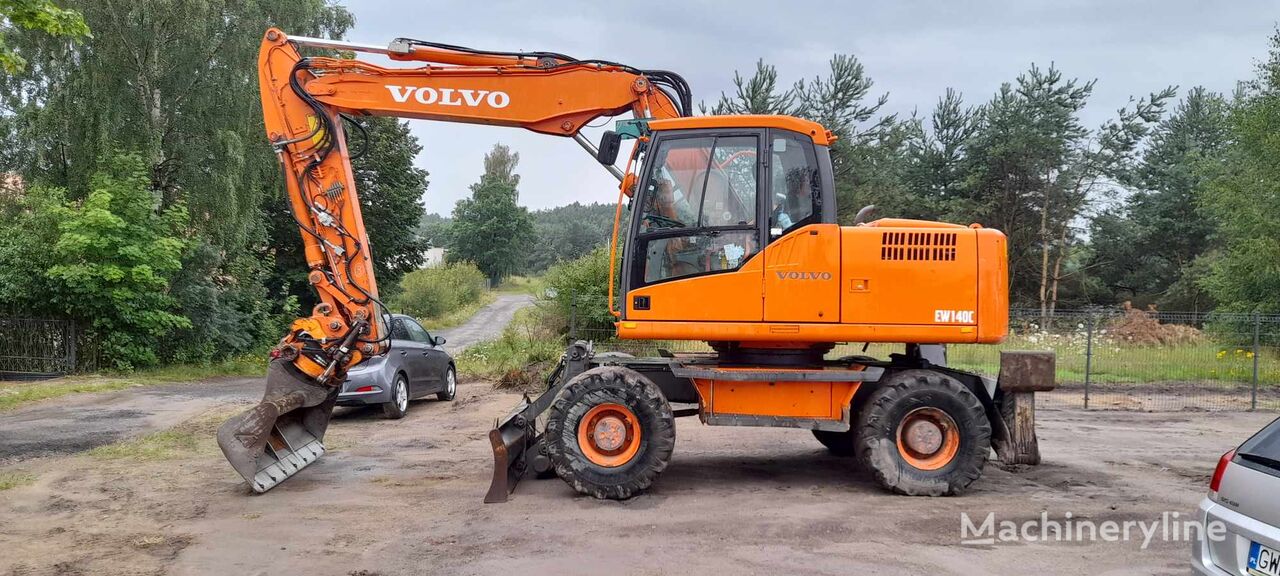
307	102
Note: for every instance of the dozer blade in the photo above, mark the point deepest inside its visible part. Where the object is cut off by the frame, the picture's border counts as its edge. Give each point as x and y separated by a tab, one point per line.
284	433
517	445
511	440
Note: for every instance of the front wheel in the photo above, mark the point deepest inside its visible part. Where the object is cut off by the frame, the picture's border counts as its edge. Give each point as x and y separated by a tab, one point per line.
922	433
450	386
610	432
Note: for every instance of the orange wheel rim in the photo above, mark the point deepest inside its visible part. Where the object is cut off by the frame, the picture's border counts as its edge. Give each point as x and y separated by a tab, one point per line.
928	438
609	435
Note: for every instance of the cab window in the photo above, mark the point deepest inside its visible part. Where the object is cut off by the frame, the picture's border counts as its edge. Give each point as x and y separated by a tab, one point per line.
796	198
698	212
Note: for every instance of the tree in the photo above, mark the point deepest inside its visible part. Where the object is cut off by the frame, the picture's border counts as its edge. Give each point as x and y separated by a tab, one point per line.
1241	198
433	229
490	228
37	15
1144	250
105	261
172	81
567	233
391	189
1033	170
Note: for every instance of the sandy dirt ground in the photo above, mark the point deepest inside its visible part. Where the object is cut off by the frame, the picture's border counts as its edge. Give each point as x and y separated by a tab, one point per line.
404	497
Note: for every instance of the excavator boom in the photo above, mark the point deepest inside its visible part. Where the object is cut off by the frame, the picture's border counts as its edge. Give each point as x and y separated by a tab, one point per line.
307	102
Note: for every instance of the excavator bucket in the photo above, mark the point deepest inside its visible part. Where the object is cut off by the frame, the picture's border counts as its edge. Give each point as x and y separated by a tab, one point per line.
284	433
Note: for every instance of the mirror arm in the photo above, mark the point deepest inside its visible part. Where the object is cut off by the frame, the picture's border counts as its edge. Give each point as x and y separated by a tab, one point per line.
594	152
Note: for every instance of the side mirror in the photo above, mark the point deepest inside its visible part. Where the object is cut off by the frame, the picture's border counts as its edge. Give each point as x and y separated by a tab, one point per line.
610	144
439	340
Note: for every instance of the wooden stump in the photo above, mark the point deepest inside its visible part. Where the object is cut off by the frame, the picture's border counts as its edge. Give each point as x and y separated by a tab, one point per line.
1022	374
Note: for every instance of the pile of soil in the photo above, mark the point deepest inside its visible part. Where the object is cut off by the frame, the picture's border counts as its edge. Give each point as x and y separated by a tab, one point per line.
1141	327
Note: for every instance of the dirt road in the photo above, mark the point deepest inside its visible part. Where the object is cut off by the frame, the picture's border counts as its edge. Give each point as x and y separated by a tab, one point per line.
78	422
404	497
487	323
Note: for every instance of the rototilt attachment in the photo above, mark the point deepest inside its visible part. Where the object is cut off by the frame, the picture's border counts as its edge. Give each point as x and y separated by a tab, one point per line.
517	443
284	433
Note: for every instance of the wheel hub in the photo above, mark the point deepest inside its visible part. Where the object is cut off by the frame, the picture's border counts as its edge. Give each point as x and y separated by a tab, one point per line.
928	438
923	436
609	433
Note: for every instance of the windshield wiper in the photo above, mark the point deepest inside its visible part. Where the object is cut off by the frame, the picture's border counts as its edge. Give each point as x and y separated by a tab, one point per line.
1260	459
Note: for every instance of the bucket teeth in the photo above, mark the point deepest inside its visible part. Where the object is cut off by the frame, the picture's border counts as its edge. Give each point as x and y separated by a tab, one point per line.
283	434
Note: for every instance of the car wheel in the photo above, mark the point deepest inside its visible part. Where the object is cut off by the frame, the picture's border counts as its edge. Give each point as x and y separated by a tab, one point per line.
450	385
399	404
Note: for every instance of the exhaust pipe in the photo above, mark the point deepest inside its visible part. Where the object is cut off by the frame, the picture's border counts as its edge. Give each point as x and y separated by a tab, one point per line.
284	433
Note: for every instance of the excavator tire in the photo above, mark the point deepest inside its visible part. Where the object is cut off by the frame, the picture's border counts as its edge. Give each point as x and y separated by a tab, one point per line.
922	433
610	432
838	443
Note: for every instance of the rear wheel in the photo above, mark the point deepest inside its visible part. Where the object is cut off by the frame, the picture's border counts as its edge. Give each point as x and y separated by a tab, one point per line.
610	433
923	433
399	404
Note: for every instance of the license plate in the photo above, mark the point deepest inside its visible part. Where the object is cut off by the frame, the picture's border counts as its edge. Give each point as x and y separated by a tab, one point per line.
1263	561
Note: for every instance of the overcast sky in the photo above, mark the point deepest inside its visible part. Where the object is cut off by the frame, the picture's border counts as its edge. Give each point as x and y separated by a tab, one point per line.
913	51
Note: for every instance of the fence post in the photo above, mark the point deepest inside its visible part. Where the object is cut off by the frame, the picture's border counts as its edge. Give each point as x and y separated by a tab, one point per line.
1257	328
573	319
71	347
1088	357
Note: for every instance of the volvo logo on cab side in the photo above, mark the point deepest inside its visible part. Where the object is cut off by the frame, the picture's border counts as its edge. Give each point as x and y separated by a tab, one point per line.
803	275
450	96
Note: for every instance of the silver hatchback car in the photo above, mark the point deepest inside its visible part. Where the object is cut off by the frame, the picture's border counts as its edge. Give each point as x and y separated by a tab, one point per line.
416	365
1244	498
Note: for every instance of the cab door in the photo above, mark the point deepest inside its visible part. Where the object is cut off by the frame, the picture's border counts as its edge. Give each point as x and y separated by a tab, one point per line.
802	258
696	231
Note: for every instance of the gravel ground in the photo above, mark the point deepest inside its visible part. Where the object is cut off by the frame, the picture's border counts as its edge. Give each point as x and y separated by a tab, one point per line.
405	497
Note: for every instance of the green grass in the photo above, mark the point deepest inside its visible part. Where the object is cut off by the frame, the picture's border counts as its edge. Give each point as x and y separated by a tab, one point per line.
164	445
14	394
10	480
459	315
522	285
523	342
195	436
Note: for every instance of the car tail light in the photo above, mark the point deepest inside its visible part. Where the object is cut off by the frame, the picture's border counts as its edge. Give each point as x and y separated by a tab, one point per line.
1220	470
367	389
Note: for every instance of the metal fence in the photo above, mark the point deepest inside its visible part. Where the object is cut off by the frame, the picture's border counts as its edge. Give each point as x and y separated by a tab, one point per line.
1107	358
35	348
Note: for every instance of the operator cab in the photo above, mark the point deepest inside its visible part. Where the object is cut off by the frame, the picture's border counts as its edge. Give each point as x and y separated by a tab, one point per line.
712	195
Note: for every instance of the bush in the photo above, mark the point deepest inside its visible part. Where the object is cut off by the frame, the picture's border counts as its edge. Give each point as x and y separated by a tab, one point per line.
520	357
584	284
433	292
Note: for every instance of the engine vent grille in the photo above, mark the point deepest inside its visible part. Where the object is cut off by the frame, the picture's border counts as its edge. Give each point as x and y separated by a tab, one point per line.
918	246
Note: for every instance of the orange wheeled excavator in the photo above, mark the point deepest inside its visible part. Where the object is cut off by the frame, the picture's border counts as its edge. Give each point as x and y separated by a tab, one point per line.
732	240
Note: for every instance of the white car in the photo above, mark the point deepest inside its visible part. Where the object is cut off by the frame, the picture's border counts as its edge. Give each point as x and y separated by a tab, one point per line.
1244	498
